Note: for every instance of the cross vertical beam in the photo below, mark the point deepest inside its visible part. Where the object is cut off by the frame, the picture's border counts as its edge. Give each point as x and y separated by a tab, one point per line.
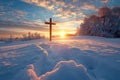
50	32
50	29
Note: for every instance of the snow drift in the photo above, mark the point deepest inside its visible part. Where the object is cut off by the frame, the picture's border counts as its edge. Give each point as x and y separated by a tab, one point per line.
78	58
67	70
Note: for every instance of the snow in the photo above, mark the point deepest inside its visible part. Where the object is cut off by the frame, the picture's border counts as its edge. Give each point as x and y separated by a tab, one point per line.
75	58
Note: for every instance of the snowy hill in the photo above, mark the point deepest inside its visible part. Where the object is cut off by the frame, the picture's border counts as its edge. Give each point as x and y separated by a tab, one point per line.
76	58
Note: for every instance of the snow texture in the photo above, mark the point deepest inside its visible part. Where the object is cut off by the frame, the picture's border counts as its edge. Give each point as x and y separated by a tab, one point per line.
76	58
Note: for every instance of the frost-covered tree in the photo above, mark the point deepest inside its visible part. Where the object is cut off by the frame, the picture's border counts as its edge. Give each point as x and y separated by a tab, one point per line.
105	24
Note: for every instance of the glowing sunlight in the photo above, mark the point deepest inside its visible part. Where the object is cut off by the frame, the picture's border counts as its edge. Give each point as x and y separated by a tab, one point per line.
62	34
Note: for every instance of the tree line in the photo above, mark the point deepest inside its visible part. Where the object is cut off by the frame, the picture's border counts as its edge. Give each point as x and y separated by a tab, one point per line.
25	37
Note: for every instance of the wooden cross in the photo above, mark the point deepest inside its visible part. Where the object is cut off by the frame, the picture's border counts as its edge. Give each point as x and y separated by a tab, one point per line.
50	23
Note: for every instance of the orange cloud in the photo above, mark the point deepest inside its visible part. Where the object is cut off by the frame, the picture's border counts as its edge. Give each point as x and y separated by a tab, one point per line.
89	7
105	1
70	25
75	0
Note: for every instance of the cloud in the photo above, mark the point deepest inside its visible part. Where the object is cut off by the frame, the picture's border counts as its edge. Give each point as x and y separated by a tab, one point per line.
70	24
105	1
6	63
19	13
42	3
2	13
1	7
8	12
66	11
62	8
75	0
23	26
13	15
87	6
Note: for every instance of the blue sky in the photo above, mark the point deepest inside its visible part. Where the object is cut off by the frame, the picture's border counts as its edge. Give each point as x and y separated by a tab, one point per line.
21	16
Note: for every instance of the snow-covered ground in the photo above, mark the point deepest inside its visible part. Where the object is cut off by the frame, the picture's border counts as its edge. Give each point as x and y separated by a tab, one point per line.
76	58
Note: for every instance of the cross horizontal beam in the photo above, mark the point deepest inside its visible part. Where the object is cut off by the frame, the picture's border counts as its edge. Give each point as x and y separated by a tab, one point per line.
50	23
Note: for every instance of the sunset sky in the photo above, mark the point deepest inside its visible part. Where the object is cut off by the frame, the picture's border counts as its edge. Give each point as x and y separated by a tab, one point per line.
21	16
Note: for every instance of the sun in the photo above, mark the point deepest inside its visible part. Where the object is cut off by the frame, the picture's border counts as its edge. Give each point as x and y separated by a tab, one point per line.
62	34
